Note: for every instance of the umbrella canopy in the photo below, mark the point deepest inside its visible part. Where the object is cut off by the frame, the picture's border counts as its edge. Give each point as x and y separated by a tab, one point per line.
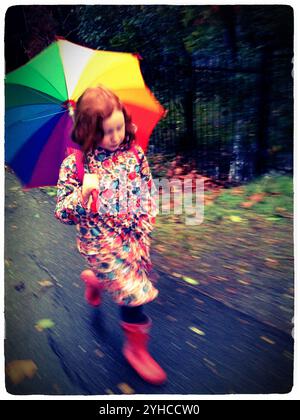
39	97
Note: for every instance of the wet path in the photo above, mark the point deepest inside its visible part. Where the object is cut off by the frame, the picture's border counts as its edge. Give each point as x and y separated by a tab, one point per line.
205	346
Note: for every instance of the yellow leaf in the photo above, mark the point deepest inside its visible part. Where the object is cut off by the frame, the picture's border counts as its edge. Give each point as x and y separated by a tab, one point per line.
18	370
236	219
197	331
43	324
125	388
189	280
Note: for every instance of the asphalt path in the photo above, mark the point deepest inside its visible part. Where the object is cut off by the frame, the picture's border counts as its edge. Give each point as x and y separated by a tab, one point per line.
205	346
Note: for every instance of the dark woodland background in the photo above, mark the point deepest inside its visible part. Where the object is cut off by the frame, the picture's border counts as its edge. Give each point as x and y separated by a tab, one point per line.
224	73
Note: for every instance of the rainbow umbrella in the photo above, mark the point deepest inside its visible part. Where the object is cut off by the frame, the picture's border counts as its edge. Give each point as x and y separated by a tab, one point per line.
40	97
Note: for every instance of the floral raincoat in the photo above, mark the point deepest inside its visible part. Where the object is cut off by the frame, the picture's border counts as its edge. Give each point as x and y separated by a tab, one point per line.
115	240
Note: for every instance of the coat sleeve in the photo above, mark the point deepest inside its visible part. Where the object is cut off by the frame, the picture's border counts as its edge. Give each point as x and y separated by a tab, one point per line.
146	217
69	202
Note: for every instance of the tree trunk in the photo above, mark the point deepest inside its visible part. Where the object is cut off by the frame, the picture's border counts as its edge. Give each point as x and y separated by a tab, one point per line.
261	163
190	142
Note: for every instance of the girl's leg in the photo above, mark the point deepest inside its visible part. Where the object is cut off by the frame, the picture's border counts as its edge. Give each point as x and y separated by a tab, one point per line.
136	326
92	287
133	314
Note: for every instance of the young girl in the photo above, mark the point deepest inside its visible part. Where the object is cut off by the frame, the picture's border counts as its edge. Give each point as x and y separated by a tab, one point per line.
114	241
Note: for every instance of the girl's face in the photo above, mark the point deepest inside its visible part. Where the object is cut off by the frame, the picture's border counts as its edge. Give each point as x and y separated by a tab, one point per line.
113	131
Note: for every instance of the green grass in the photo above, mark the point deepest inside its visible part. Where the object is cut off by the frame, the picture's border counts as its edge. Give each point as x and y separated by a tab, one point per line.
226	212
277	202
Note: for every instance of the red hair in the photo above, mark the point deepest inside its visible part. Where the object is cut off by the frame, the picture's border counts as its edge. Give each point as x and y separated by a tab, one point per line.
93	106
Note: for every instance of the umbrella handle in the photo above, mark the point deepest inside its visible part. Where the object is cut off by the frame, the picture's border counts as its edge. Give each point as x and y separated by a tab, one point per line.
95	195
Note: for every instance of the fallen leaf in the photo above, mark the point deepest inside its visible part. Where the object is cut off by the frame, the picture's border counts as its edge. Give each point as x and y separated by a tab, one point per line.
237	191
231	290
191	345
282	212
267	340
208	202
109	391
171	318
197	331
181	291
243	321
210	366
44	324
190	280
56	388
12	206
236	219
176	275
99	353
244	282
247	204
7	262
288	355
18	370
257	197
270	262
209	362
52	193
221	278
125	388
241	270
45	283
198	301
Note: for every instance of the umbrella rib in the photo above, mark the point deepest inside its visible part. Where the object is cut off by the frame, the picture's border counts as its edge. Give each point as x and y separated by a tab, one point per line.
37	118
44	116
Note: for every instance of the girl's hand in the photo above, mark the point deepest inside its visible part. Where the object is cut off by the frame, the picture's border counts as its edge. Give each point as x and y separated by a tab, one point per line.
90	183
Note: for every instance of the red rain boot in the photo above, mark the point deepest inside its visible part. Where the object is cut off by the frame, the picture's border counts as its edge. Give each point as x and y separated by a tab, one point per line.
92	287
136	353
